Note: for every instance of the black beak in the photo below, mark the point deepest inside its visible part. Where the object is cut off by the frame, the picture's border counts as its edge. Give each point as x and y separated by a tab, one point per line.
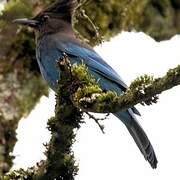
27	22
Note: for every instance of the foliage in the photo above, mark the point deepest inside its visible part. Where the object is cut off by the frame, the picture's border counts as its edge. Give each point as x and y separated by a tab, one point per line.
159	19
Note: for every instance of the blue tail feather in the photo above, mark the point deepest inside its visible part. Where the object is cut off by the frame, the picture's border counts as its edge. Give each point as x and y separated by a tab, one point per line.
139	136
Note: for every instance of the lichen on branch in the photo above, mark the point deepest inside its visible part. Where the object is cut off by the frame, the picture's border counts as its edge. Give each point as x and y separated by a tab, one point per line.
145	90
60	163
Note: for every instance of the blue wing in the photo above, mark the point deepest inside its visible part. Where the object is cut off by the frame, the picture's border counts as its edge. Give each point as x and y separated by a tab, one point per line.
51	49
93	61
107	77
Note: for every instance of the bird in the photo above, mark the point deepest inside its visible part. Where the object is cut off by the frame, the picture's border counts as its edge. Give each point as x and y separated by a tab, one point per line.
54	37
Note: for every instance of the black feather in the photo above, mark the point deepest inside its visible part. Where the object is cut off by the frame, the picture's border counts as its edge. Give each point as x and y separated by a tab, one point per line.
61	9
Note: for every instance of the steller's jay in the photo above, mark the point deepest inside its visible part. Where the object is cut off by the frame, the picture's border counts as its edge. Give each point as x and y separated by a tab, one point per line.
54	37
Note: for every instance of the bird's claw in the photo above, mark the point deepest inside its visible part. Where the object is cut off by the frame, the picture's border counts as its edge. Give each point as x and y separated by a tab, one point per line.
63	60
64	64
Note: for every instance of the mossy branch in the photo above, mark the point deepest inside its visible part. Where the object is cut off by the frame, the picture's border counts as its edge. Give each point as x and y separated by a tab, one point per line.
144	90
77	90
60	163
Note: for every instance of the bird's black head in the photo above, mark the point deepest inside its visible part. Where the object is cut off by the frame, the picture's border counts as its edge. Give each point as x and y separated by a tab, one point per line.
52	19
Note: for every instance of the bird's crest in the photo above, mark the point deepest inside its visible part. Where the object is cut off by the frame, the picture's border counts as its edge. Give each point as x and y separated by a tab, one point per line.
62	9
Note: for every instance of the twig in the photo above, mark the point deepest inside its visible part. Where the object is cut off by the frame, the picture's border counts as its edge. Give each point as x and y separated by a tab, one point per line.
97	121
79	11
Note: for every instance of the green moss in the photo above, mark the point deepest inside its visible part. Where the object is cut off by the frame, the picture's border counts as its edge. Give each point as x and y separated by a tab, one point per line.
159	19
60	158
87	84
15	9
144	90
88	90
110	17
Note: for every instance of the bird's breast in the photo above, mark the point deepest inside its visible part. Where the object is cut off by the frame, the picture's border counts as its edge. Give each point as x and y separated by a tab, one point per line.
47	59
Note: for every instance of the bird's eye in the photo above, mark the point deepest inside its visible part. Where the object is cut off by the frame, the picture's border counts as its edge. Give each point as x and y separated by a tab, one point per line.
45	18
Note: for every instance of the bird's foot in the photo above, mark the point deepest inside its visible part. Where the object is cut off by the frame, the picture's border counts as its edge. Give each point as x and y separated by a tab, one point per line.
63	61
64	65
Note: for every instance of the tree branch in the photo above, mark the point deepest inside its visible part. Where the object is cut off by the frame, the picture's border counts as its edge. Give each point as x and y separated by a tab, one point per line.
60	163
144	90
77	89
